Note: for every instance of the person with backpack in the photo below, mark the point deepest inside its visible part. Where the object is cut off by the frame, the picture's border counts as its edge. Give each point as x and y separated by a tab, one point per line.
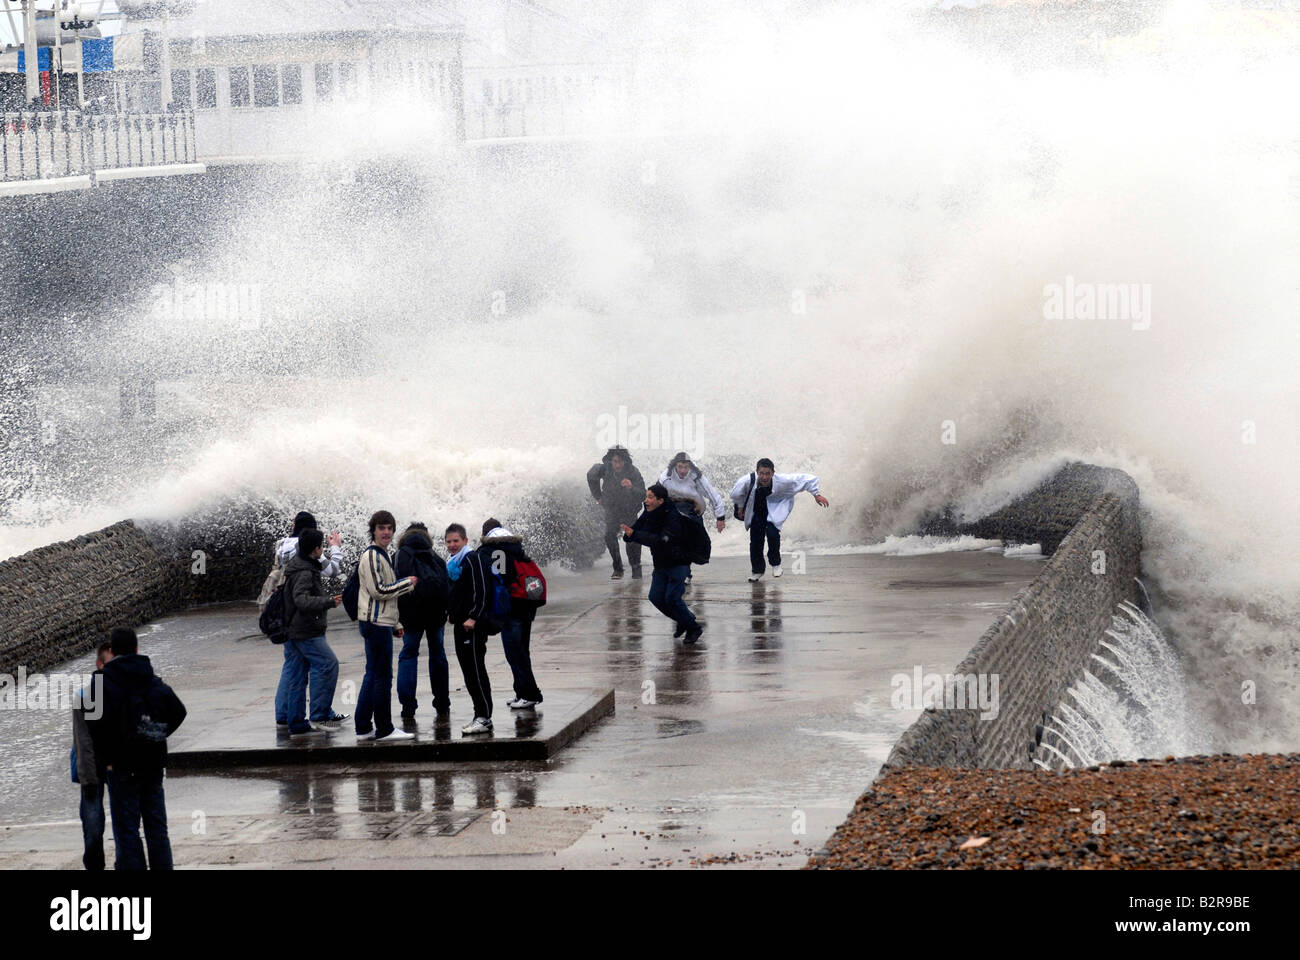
617	486
764	500
424	610
671	539
378	616
306	607
88	772
295	670
139	712
527	588
480	605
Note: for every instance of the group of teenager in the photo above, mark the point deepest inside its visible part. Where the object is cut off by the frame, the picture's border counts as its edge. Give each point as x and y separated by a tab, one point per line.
405	592
655	517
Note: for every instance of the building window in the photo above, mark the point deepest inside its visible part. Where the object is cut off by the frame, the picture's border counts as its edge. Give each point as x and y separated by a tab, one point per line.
291	76
181	88
266	85
205	87
324	81
239	94
347	79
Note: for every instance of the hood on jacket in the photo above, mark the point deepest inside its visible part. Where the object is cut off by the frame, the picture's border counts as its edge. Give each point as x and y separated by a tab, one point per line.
680	458
621	451
131	670
417	538
298	563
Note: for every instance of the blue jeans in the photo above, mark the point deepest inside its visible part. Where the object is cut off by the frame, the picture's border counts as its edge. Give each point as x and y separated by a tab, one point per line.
375	699
515	638
132	796
408	662
315	657
666	588
92	825
292	673
757	532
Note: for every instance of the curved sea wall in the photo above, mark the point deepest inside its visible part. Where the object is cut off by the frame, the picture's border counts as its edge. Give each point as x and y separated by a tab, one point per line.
1087	517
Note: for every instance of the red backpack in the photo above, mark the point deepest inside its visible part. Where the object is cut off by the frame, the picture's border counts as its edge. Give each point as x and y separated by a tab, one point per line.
528	584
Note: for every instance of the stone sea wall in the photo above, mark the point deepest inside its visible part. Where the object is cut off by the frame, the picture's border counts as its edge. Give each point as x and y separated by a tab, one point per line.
1087	517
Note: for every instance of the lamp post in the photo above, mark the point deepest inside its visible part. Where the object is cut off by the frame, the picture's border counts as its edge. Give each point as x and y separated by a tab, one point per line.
31	52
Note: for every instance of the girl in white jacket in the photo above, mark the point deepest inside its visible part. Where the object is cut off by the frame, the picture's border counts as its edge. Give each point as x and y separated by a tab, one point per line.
691	490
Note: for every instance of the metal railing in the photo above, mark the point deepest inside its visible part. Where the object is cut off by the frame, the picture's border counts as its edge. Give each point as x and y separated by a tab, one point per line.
64	143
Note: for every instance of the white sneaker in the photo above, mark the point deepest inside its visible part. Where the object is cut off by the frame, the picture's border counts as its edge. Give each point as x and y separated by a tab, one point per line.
395	735
776	571
519	703
365	736
755	577
477	725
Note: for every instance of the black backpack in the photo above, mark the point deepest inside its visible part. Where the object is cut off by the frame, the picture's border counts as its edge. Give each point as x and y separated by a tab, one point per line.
275	618
695	541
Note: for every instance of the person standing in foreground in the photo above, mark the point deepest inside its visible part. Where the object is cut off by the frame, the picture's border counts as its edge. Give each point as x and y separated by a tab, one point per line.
138	714
478	611
661	528
764	500
307	606
423	610
379	622
618	487
507	550
89	773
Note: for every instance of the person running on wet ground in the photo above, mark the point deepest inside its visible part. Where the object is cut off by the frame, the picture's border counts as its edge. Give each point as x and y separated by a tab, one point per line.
692	492
139	713
618	487
663	529
295	670
423	611
307	605
764	500
378	619
88	772
506	551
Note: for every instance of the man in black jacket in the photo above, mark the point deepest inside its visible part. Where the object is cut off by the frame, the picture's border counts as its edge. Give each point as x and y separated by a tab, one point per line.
663	530
617	486
130	736
423	610
474	620
306	606
505	549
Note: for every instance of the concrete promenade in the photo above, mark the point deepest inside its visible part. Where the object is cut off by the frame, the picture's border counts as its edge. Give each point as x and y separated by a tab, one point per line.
747	749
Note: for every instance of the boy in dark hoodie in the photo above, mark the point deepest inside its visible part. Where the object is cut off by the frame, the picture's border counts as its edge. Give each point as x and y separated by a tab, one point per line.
662	528
424	610
139	713
617	486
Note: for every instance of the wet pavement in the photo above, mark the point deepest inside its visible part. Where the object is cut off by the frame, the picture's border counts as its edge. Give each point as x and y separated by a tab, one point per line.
747	749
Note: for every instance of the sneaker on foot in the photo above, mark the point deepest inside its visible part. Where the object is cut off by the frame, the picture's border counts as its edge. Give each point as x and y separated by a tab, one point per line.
755	577
776	571
307	731
693	633
280	725
681	628
395	734
477	725
368	735
519	703
636	572
616	575
336	717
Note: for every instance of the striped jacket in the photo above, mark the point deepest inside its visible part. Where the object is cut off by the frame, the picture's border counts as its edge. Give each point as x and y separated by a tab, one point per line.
380	588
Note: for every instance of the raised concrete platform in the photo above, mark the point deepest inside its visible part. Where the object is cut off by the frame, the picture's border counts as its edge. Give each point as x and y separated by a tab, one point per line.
247	741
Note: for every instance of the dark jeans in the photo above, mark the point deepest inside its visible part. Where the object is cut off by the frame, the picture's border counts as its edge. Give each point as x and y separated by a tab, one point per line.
408	663
132	797
471	649
756	533
375	699
614	536
92	825
666	588
515	638
312	657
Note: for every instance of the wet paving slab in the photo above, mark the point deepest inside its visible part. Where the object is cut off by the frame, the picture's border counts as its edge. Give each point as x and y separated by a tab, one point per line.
745	750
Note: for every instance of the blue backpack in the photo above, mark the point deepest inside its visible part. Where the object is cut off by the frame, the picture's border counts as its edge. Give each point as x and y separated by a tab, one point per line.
498	610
